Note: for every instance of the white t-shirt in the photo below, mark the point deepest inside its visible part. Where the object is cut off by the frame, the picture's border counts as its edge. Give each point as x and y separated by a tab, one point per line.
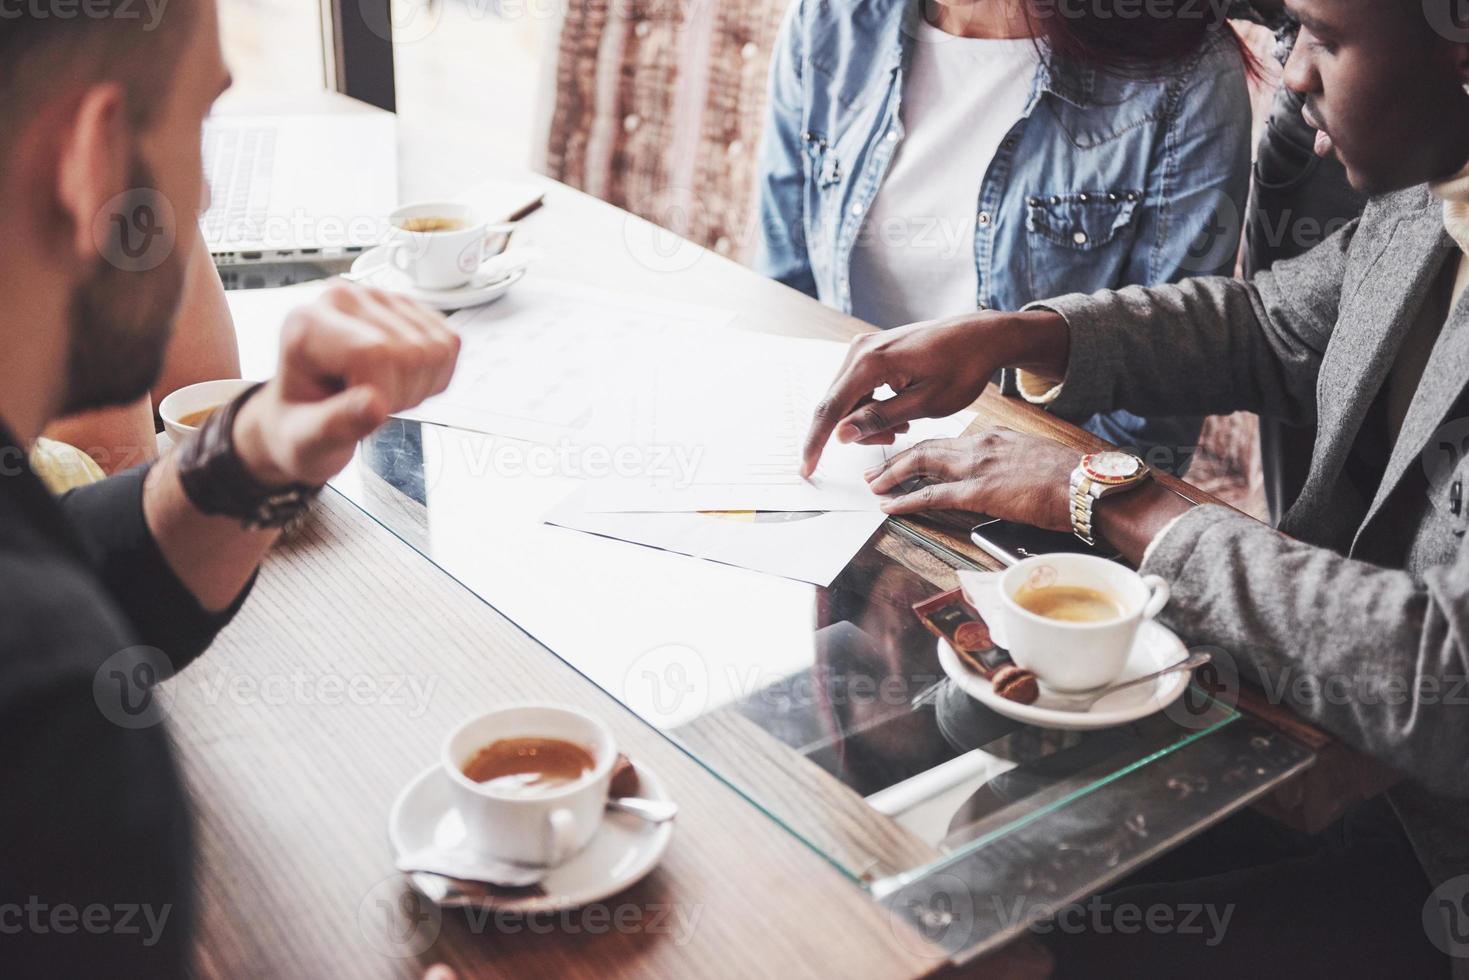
914	258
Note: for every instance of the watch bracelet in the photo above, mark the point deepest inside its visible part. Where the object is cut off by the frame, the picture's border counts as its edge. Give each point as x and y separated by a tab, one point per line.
1082	508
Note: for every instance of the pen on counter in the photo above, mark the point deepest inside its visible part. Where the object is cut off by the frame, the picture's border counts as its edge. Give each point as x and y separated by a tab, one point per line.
528	210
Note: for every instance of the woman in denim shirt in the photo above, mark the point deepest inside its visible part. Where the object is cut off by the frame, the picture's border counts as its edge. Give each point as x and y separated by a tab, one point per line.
1012	150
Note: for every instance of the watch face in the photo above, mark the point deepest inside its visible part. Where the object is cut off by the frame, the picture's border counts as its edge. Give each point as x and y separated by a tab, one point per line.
1112	467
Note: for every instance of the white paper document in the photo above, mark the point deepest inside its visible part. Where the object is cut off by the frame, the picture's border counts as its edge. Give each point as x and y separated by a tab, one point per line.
809	546
687	415
551	358
738	419
703	418
803	545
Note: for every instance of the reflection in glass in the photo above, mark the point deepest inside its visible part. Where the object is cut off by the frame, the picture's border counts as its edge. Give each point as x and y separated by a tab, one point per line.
826	707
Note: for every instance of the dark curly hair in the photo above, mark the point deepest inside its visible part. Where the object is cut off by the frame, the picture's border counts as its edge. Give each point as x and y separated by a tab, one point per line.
1129	36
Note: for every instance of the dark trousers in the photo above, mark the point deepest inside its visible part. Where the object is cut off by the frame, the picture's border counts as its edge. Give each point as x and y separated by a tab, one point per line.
1271	902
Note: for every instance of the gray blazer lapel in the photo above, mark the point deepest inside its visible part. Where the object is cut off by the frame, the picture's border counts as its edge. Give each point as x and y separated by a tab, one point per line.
1370	326
1443	383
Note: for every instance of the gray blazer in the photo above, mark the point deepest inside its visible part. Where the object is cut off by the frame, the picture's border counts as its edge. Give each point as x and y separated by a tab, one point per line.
1358	615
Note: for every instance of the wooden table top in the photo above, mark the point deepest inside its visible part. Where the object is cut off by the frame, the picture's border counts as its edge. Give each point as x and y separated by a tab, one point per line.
355	655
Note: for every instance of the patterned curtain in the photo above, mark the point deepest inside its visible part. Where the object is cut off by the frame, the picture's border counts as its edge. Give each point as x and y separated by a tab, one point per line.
658	109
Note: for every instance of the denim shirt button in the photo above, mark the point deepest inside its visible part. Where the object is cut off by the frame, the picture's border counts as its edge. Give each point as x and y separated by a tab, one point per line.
1079	238
1132	195
892	136
984	218
1112	197
857	208
1034	202
1055	199
1084	198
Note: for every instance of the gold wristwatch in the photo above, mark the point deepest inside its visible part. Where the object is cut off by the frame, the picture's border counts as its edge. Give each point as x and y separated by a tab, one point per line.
1102	475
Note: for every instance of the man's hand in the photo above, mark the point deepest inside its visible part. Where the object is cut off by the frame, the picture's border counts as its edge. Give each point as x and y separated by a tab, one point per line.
348	361
998	472
935	369
1025	479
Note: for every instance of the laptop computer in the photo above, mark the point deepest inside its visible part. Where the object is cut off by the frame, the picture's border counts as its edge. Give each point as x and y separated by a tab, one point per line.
310	188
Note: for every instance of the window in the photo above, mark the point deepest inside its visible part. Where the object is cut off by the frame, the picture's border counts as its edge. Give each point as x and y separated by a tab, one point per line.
273	47
468	77
464	76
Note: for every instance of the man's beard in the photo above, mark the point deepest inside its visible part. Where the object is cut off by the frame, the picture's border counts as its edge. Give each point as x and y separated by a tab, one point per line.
122	317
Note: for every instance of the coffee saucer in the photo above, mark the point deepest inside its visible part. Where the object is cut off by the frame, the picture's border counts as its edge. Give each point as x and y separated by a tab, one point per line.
372	268
621	853
1155	647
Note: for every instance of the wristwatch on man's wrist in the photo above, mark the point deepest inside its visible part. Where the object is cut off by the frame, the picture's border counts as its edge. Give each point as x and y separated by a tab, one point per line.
218	483
1102	475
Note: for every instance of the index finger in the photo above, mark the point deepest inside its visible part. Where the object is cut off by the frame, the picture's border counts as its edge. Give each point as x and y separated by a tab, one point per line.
854	384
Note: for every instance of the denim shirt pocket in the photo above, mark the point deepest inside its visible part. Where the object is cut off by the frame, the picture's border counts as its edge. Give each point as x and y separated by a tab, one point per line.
1079	241
824	176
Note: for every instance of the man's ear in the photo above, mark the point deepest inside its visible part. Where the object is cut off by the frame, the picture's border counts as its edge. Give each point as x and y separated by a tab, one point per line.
94	163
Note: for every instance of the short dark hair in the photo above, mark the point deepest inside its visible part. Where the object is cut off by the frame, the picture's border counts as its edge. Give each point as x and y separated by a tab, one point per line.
42	52
1127	36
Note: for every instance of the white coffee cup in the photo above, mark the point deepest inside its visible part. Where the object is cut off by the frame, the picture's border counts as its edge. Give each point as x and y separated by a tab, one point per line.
447	259
1073	657
201	397
540	829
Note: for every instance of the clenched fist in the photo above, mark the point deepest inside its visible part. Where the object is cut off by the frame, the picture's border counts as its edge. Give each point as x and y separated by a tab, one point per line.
348	361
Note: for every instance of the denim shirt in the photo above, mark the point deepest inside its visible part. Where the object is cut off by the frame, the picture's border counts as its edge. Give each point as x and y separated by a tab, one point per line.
1103	182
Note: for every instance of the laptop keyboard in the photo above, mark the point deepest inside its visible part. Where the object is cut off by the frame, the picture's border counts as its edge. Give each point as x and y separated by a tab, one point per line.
239	163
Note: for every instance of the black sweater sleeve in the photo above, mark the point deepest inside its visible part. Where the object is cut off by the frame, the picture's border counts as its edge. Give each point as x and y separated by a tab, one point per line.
96	878
108	516
95	873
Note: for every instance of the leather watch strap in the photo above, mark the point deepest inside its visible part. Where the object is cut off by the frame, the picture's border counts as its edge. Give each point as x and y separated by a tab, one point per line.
218	483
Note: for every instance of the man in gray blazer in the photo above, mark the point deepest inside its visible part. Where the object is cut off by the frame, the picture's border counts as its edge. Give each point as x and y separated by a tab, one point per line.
1358	614
1297	199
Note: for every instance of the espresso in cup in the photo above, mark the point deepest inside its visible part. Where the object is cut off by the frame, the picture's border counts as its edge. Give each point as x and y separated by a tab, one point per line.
185	410
441	245
530	766
530	781
1071	619
429	224
1069	603
195	419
